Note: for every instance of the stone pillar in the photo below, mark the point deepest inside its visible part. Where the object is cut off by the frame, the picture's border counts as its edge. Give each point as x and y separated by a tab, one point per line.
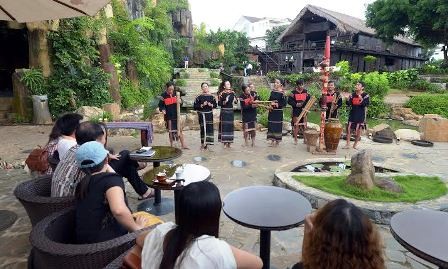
39	56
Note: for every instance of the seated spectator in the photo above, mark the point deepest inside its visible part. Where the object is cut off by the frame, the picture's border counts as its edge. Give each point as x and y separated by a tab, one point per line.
102	212
194	241
340	236
68	124
67	175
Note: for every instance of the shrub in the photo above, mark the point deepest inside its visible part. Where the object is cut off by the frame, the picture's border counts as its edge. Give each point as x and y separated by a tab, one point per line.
214	75
314	89
262	118
181	82
426	86
376	84
429	104
377	108
35	82
202	70
214	82
132	96
402	79
184	75
344	72
264	93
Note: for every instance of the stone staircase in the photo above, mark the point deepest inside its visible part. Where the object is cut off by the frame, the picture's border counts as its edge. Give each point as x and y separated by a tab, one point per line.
194	77
5	109
259	81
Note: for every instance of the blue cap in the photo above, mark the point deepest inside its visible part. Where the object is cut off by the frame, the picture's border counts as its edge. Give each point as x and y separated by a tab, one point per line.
90	154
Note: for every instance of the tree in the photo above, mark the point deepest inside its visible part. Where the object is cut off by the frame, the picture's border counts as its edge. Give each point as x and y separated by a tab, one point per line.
272	35
423	20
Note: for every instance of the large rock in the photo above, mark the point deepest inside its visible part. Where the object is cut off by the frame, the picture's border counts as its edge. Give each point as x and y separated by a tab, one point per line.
158	123
362	170
383	130
191	121
113	109
90	112
407	134
403	113
434	128
388	184
414	123
287	126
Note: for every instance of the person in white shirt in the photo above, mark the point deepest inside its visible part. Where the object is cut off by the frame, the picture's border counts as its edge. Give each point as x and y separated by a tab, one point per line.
68	125
194	241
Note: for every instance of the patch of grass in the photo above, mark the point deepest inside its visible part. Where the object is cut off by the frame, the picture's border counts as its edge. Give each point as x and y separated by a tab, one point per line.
181	82
415	188
202	70
184	75
214	75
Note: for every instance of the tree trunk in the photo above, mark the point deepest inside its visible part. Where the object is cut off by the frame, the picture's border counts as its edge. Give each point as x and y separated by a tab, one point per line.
39	56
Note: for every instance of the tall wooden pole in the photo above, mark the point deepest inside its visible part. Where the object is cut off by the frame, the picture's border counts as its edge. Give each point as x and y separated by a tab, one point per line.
325	74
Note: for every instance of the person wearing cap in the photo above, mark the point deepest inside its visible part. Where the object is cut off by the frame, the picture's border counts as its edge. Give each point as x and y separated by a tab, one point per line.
102	212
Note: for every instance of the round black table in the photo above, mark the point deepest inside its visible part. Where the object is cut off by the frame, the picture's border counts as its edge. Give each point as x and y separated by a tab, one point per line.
267	209
157	206
424	233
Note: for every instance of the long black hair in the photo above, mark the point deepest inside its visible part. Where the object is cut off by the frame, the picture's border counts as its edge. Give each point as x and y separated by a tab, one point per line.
197	214
83	187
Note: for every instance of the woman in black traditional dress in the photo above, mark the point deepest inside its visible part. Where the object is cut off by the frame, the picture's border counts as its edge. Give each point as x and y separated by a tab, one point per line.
275	116
204	105
334	101
225	100
249	113
358	103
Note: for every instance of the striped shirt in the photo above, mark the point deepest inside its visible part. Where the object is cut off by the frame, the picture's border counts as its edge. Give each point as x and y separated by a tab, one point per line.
66	176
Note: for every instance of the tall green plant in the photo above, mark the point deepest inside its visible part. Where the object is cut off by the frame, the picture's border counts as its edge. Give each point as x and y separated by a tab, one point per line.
35	82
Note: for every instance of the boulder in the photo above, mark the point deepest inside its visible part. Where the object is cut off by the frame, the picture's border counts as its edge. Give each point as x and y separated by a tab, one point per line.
434	128
362	170
191	121
90	112
383	130
238	125
113	109
403	113
414	123
158	123
407	134
388	184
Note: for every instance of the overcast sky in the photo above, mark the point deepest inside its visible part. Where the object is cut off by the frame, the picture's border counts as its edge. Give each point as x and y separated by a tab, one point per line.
225	13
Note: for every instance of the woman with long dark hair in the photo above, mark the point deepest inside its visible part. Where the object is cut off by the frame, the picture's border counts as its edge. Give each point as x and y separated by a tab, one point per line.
275	116
340	236
204	105
193	241
226	99
101	208
249	113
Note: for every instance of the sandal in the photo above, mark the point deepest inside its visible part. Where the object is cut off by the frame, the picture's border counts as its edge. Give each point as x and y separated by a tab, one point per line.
149	196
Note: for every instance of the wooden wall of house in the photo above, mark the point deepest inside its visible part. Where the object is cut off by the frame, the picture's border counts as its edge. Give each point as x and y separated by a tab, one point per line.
398	48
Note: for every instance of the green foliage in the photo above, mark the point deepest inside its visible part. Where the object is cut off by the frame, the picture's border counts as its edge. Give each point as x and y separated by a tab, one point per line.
35	82
344	71
377	108
315	89
426	86
433	68
370	59
264	93
132	96
429	104
272	35
214	75
184	75
402	79
181	82
202	70
262	118
77	79
142	42
415	188
425	20
376	84
215	82
105	117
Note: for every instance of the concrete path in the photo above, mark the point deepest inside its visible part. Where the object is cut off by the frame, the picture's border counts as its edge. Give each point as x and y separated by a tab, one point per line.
286	245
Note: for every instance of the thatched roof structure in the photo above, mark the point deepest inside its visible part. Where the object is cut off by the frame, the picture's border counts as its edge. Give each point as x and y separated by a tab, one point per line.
344	23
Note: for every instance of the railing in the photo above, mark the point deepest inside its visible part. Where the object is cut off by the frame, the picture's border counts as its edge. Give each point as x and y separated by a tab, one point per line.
268	57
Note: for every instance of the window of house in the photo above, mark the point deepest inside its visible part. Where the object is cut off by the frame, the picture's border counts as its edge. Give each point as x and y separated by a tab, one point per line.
390	61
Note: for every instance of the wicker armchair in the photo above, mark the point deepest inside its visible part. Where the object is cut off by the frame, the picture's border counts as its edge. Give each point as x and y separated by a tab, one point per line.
35	197
117	263
52	241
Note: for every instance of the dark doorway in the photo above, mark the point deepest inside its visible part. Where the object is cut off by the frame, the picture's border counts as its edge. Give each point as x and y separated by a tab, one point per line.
308	63
13	55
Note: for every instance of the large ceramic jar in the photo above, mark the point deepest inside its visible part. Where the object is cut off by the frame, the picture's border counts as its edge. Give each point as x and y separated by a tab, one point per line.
332	134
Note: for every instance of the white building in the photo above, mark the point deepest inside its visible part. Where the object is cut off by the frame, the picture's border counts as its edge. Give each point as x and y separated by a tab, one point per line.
255	28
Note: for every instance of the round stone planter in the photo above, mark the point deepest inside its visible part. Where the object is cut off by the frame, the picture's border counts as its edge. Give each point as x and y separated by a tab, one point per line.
379	212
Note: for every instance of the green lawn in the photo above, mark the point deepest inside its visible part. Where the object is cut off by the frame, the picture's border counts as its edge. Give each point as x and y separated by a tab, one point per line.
416	188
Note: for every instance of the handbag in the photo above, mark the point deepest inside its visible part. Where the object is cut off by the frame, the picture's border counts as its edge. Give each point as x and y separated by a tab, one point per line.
38	159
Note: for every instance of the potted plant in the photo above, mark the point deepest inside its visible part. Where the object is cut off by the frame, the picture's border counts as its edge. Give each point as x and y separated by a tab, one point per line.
36	84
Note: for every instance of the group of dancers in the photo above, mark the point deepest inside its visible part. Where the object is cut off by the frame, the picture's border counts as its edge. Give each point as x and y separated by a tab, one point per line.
249	102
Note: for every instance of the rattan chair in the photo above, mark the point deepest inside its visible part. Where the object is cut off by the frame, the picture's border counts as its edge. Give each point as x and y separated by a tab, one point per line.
35	197
52	241
117	263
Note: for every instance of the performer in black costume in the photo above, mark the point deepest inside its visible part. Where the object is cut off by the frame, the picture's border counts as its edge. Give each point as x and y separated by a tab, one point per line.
358	103
226	99
168	106
334	101
275	116
249	112
297	100
204	105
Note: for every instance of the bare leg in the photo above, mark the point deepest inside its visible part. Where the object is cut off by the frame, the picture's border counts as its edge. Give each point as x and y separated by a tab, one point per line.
358	137
295	129
171	139
253	139
246	138
182	142
347	146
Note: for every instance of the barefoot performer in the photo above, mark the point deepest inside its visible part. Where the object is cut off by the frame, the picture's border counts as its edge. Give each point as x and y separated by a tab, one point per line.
358	103
334	101
249	113
168	106
298	100
204	105
275	116
226	99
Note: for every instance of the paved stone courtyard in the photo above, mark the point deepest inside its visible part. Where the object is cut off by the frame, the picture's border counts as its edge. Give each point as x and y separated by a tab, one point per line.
16	141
